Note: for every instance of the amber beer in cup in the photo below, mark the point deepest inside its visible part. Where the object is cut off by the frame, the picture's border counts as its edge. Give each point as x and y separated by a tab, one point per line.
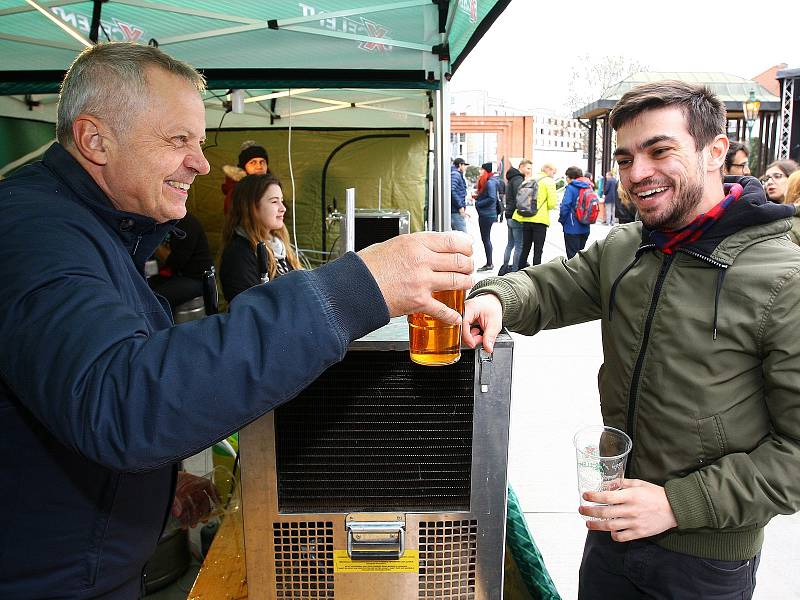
433	342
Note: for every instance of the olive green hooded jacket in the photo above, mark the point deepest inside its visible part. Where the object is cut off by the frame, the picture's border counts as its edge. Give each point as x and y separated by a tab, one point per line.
701	364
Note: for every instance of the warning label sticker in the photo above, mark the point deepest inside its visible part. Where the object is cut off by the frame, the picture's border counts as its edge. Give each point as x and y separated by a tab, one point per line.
408	563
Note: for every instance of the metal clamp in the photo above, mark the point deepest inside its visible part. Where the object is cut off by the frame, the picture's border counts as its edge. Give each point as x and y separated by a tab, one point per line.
485	367
376	540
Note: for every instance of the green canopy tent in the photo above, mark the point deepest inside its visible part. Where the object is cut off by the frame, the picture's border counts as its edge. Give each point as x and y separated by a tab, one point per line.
313	76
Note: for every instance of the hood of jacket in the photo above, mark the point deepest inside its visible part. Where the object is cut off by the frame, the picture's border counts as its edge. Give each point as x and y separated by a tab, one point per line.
726	238
580	183
512	173
140	234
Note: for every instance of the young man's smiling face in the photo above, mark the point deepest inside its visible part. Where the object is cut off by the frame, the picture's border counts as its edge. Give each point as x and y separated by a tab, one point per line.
663	172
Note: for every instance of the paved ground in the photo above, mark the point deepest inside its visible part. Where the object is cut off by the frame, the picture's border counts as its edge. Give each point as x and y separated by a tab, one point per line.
549	403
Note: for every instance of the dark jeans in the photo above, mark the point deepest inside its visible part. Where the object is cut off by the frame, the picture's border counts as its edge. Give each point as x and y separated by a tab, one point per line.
533	234
485	224
641	570
574	242
514	244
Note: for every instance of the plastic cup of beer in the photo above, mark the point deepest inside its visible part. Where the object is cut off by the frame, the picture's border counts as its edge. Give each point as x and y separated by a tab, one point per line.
601	453
433	342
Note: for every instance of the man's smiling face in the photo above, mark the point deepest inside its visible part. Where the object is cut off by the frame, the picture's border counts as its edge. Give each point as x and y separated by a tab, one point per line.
660	168
151	166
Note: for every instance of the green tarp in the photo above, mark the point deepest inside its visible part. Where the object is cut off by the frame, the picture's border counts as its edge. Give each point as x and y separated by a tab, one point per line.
396	166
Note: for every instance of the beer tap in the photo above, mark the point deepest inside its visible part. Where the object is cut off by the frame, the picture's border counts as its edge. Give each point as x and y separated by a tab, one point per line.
263	262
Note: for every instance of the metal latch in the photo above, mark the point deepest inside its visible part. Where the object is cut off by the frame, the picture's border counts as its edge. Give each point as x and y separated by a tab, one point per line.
375	537
485	368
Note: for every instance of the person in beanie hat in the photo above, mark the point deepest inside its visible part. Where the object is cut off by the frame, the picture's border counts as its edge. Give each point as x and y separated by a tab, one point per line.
486	204
253	160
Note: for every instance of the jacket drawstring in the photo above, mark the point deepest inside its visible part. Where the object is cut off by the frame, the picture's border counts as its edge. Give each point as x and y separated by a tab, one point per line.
720	280
616	283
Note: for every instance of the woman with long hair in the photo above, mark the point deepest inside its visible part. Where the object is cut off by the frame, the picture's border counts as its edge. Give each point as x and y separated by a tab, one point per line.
775	177
256	215
793	197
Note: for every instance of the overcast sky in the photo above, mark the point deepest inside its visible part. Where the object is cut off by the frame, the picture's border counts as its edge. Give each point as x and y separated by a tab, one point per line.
527	54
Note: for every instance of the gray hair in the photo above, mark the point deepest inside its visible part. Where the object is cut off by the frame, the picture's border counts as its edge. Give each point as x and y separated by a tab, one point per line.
108	81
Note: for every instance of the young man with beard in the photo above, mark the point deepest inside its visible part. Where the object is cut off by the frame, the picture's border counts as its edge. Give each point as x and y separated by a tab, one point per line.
698	305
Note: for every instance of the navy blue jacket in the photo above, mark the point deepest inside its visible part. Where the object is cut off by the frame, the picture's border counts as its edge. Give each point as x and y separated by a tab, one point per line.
486	203
100	395
458	189
566	211
610	191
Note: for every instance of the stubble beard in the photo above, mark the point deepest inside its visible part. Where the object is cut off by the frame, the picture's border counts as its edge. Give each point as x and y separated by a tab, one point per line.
683	204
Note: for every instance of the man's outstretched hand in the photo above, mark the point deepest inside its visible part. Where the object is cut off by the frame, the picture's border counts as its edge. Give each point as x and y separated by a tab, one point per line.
409	268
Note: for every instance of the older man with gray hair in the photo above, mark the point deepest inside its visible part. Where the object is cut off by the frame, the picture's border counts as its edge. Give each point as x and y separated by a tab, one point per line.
99	395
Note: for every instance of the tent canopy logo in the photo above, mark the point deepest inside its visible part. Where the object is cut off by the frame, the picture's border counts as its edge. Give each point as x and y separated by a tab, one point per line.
360	26
470	7
115	31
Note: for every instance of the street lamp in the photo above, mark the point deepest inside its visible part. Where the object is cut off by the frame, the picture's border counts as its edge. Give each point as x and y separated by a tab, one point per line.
750	108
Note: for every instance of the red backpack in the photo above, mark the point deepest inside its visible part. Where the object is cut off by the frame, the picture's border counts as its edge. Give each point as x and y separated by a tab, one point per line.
587	207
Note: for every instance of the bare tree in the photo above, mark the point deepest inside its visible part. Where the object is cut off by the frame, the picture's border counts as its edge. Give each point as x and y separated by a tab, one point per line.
593	75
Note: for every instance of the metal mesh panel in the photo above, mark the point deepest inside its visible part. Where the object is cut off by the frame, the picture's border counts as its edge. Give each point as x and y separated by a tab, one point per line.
303	559
447	555
378	433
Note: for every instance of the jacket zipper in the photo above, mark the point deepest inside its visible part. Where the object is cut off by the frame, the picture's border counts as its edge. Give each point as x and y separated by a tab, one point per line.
136	245
637	370
704	258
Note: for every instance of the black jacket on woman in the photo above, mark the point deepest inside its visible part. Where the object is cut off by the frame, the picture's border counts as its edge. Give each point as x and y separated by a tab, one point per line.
238	269
239	266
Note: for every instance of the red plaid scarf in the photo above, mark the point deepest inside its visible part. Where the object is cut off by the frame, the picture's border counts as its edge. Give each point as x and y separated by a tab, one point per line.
670	240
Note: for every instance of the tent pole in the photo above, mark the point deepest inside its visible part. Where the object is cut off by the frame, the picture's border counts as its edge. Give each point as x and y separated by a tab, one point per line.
442	124
94	30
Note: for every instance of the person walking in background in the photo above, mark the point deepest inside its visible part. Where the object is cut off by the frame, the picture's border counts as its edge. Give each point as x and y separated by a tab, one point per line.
514	177
458	195
706	384
611	197
486	204
534	228
736	160
256	215
576	233
253	160
775	178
